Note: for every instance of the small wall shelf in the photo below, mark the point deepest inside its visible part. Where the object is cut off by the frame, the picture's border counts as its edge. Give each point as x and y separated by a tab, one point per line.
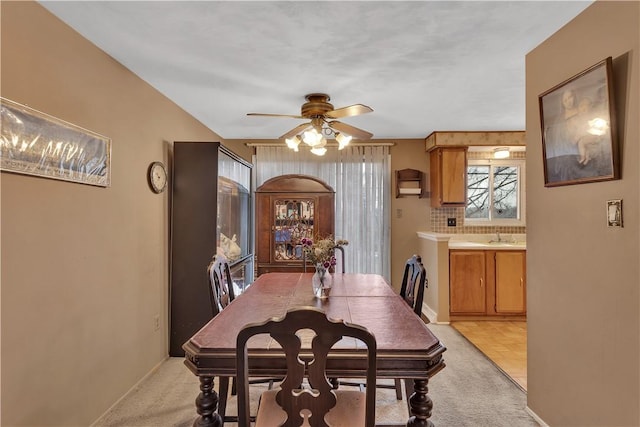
409	183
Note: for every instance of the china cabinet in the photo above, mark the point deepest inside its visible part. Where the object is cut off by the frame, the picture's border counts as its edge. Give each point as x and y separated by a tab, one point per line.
211	209
288	208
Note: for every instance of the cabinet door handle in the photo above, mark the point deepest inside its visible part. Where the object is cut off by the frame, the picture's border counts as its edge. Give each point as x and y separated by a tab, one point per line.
481	281
521	282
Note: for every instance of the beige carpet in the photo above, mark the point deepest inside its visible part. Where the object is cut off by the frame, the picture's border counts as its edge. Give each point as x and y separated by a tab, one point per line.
469	392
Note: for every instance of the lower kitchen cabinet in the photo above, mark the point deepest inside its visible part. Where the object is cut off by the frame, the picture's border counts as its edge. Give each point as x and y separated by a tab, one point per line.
466	277
510	278
490	283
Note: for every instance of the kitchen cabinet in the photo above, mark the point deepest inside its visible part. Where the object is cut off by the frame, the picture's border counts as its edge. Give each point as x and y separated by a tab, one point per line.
448	175
510	282
288	208
487	283
467	282
211	211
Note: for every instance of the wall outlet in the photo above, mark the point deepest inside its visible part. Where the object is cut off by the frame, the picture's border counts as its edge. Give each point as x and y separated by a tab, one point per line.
156	322
451	222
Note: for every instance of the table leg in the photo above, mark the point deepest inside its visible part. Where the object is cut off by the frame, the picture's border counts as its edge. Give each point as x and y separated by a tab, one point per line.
421	405
206	405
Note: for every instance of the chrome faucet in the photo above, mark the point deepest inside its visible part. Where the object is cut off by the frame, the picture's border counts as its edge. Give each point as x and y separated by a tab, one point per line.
497	239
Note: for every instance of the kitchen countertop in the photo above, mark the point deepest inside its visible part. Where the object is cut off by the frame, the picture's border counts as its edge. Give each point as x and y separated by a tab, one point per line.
479	241
488	246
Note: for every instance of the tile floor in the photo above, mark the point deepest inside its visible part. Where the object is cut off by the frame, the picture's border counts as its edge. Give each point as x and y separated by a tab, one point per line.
504	342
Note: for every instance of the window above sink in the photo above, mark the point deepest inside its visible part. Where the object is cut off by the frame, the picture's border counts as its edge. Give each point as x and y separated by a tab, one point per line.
495	192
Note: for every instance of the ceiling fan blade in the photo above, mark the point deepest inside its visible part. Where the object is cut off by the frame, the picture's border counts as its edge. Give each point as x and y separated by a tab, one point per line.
350	130
296	130
275	115
351	110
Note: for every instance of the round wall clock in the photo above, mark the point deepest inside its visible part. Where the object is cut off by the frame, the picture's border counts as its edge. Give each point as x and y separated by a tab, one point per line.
157	177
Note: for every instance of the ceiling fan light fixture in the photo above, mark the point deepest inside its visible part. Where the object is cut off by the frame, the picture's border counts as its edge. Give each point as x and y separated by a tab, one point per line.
312	137
322	124
343	140
501	153
319	151
293	142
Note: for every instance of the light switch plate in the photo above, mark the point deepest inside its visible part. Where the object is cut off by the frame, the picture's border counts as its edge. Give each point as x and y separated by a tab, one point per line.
614	213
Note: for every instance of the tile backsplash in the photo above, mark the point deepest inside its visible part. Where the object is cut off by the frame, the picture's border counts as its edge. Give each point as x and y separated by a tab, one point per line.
439	224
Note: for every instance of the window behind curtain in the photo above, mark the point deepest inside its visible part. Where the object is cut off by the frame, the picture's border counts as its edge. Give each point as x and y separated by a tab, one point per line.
360	176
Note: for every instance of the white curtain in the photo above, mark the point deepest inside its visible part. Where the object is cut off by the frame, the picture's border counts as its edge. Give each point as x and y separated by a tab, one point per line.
360	176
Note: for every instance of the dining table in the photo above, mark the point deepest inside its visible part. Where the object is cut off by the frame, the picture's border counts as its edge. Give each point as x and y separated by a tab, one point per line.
406	347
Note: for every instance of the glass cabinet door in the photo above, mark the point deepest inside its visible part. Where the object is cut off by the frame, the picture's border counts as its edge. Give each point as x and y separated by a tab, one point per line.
233	234
294	220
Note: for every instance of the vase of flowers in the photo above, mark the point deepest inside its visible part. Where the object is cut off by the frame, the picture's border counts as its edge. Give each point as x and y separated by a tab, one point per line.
321	281
321	253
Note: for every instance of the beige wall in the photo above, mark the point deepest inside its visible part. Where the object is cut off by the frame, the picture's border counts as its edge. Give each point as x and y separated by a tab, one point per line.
409	214
84	268
435	257
583	277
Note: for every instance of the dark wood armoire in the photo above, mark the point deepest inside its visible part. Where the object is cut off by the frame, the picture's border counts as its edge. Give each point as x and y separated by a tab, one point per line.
211	207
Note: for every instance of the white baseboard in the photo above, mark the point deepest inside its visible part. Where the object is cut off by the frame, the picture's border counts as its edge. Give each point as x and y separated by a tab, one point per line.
536	417
431	315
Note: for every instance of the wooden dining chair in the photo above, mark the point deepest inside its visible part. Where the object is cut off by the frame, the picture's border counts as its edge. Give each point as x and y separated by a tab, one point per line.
306	393
414	281
220	284
341	258
221	294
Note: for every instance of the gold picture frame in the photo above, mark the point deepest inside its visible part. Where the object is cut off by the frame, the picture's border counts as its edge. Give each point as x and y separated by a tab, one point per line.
579	128
35	143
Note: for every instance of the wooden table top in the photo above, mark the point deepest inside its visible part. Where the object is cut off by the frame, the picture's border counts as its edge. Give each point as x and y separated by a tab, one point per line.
405	343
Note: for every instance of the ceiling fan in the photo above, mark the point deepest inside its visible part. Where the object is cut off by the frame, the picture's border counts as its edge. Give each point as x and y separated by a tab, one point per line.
321	114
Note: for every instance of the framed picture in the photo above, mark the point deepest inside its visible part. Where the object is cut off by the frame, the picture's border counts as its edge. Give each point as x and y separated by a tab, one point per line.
35	143
578	128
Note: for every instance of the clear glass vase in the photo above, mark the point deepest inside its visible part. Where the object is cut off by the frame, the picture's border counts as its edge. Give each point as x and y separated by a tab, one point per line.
322	282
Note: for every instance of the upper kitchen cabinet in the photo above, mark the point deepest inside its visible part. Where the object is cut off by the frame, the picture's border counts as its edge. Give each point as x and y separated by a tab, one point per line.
448	174
211	208
448	160
288	208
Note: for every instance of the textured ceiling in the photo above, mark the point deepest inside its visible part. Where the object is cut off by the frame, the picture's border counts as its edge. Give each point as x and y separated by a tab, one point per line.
421	65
